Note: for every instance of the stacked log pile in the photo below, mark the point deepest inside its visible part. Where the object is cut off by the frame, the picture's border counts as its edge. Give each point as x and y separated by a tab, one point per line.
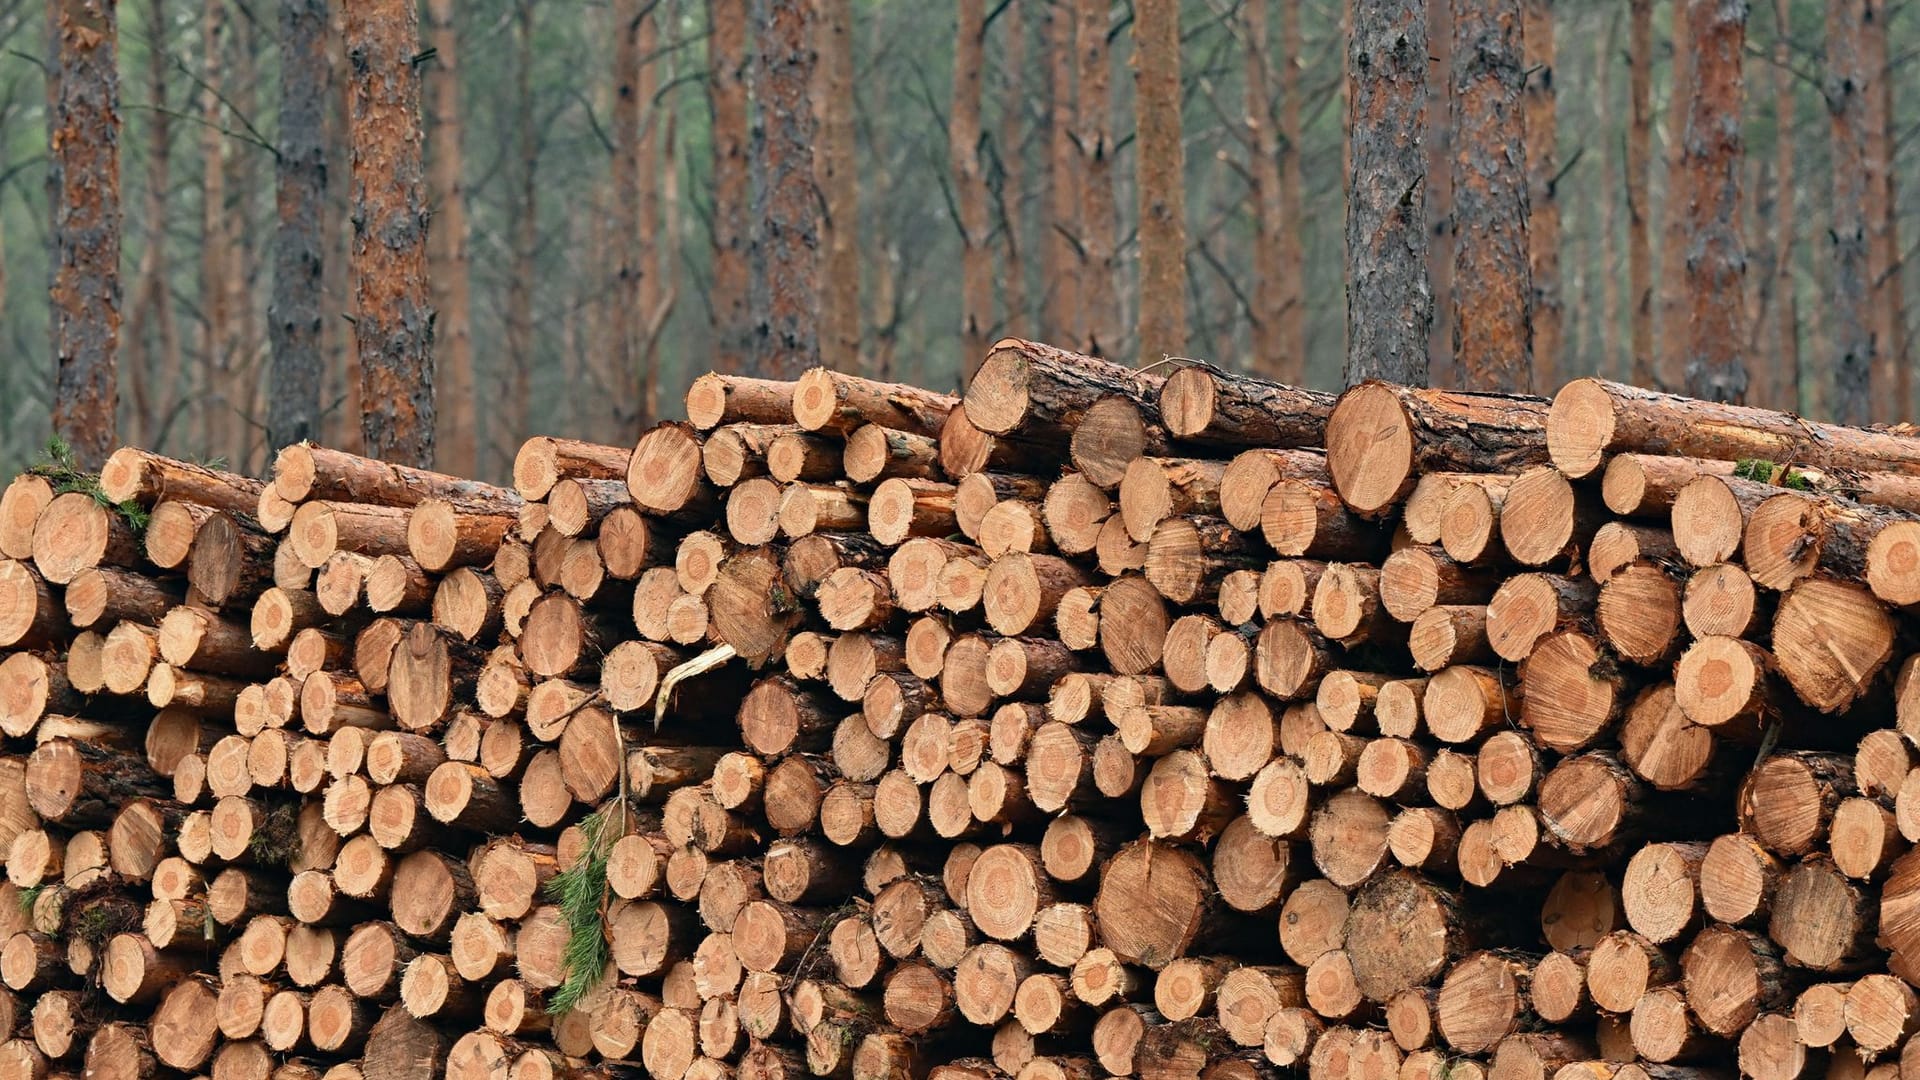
1102	723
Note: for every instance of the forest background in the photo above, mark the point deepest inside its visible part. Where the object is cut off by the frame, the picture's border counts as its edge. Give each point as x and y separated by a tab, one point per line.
526	139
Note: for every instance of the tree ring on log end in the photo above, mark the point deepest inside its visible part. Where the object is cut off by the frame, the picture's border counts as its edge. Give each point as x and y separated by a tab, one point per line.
1369	447
1579	427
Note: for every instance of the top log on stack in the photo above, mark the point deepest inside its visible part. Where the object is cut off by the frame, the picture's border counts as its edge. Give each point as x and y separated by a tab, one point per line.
1100	723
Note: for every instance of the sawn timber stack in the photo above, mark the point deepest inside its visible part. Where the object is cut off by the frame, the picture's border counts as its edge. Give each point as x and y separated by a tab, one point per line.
1098	723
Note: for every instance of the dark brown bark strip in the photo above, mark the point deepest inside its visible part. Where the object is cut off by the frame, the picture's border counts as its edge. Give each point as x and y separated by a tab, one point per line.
1389	302
1716	258
1850	320
786	235
84	184
1493	282
299	246
393	327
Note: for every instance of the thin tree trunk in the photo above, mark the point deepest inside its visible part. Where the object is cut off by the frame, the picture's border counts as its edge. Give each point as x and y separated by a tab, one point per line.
518	384
652	293
1494	291
1011	153
623	306
1890	400
1543	224
672	221
1893	284
217	261
667	247
840	186
1099	218
1782	380
1669	350
457	444
299	246
1816	390
584	344
727	91
154	374
1872	44
970	188
1849	316
1060	254
246	301
1389	304
1445	369
1163	201
1293	261
85	283
1758	173
1716	259
1270	357
393	328
785	284
1609	269
341	409
1639	210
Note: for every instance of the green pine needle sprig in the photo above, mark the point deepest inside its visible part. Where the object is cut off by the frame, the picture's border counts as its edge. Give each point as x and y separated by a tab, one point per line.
581	892
58	465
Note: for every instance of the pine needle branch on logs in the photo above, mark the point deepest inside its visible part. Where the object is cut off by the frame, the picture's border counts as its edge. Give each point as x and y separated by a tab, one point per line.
581	892
58	465
582	889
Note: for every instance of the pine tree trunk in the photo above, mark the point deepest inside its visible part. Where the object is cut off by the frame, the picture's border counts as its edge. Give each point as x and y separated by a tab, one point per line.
1848	313
785	284
85	187
1610	361
1716	248
457	442
1883	252
1639	210
622	308
1783	380
839	184
1015	129
1293	260
727	92
294	320
970	188
1099	333
1444	369
1163	200
154	376
343	358
1270	356
1671	300
1893	284
643	410
1389	303
217	262
1543	223
517	385
1060	262
393	328
247	391
1493	293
